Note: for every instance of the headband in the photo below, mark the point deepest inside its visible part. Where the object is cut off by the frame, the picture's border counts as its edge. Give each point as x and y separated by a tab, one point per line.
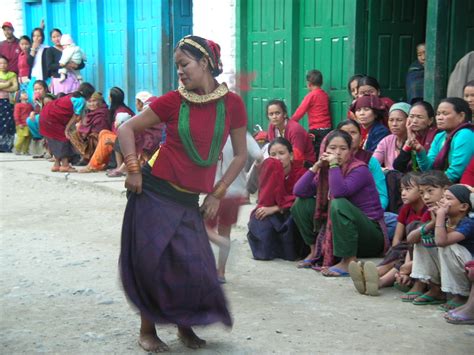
196	45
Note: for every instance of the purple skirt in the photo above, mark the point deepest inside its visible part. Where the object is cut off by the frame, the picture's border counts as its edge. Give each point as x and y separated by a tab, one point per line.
166	263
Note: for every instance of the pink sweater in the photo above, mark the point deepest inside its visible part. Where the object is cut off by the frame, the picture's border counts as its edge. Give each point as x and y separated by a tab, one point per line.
386	151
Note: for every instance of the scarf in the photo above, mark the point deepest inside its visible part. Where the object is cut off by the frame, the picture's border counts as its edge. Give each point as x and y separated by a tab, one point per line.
441	161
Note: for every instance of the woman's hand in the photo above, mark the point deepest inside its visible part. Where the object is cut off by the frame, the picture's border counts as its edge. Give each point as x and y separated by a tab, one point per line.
209	207
331	158
72	65
133	183
262	212
316	166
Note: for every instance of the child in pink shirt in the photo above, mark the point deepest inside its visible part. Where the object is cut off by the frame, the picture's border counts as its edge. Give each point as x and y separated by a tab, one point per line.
316	105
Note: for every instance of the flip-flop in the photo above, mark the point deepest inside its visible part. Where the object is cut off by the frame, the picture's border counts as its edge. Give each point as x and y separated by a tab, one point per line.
459	318
340	272
401	288
371	275
429	301
317	268
411	299
450	305
357	275
306	263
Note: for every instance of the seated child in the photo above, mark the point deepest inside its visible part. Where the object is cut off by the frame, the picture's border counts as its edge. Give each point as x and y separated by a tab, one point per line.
21	112
452	232
454	236
366	276
316	105
71	53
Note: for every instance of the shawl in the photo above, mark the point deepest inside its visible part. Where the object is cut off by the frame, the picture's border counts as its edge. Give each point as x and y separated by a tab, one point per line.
95	121
441	161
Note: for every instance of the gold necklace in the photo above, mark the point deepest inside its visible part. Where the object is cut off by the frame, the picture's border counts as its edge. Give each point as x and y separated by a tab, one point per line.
194	98
448	225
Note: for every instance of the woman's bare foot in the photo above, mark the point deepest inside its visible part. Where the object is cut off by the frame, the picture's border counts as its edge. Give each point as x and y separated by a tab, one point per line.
190	339
150	342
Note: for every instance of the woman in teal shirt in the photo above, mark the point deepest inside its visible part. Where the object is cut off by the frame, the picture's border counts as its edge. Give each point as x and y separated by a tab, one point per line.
453	148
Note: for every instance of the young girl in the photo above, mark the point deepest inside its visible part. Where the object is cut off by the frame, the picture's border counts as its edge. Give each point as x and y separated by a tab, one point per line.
24	68
425	255
281	126
454	236
21	113
369	278
54	119
270	235
219	227
369	112
368	85
8	85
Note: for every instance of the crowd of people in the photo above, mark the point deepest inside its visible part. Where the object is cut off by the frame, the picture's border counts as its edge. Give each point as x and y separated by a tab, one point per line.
391	180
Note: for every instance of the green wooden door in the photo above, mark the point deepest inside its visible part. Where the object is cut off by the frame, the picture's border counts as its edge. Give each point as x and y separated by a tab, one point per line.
266	30
395	27
326	41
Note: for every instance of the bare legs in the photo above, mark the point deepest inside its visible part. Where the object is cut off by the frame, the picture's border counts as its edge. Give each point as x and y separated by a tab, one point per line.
221	238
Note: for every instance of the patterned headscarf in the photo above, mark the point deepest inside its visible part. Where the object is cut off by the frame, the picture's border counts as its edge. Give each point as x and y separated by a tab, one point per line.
200	47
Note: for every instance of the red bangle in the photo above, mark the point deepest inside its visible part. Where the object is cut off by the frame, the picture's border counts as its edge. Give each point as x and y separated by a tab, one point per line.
407	148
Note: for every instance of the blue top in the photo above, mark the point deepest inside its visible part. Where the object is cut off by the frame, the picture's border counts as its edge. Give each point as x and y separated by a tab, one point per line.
460	153
466	228
377	132
380	182
78	104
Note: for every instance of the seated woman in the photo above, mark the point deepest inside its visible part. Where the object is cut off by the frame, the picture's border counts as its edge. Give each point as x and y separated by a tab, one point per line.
84	135
355	226
107	138
452	148
270	227
367	85
303	208
55	117
369	112
389	147
281	126
421	128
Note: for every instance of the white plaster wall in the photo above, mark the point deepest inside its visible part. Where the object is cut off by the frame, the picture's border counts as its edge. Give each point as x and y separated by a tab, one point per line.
11	12
215	20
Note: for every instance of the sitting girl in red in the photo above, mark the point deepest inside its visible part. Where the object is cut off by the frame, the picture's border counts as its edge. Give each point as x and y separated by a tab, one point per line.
270	227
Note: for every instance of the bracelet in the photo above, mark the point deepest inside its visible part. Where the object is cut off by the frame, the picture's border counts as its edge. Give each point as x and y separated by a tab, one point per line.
407	148
219	190
132	164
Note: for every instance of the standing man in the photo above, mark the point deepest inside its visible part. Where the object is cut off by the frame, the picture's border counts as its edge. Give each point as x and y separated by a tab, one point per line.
10	48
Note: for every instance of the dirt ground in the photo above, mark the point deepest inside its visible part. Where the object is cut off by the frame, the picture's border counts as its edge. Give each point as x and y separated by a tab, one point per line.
60	291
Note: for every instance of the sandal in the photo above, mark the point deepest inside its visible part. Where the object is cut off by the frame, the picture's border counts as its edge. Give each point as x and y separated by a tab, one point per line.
55	169
450	305
371	275
459	318
356	272
401	288
67	169
410	296
425	300
334	272
306	263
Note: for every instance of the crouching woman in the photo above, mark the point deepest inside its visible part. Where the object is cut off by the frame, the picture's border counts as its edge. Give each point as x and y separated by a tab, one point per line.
347	202
270	227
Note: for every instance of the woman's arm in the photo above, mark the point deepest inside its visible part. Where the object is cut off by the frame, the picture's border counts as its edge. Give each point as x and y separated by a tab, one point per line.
305	186
239	145
401	162
13	84
346	186
425	160
380	181
126	135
